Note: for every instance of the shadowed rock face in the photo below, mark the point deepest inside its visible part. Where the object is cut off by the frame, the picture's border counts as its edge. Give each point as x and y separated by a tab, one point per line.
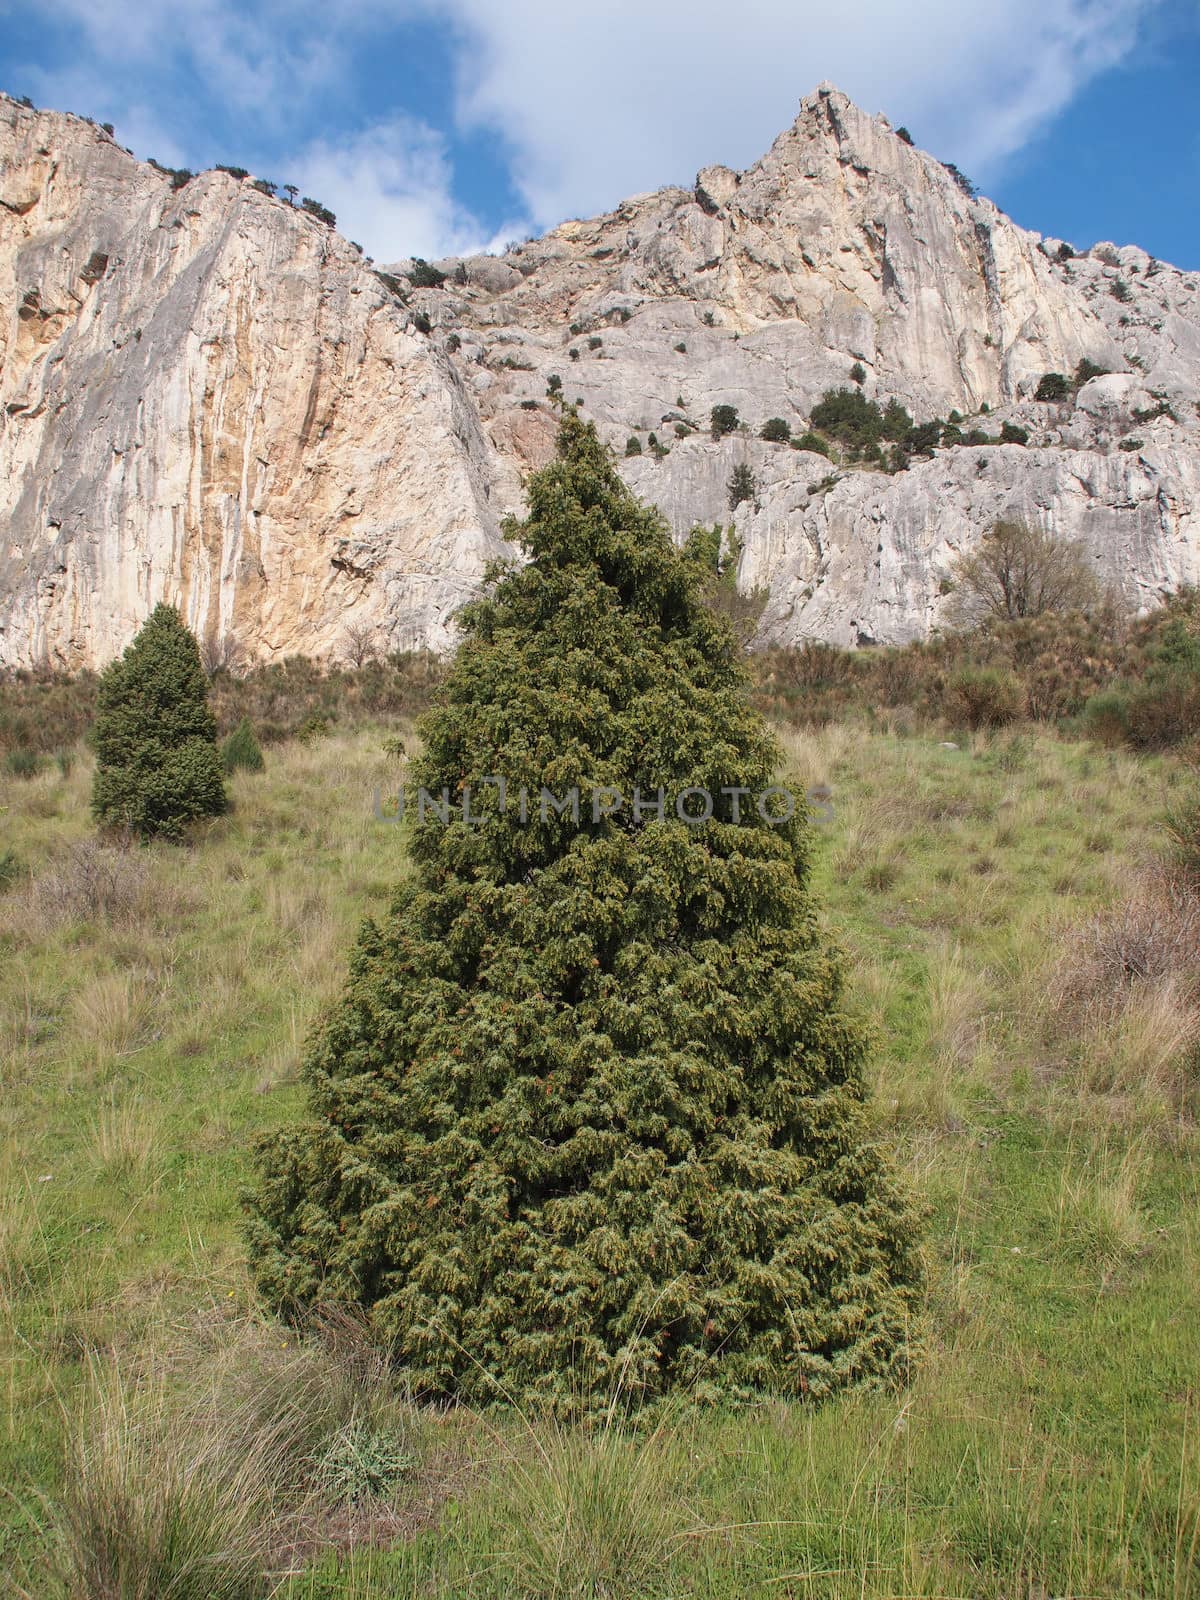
210	398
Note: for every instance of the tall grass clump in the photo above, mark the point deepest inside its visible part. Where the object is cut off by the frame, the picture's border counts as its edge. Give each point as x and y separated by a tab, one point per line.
154	1506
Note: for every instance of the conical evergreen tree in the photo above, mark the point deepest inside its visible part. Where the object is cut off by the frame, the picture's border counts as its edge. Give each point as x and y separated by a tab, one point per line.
242	751
588	1115
157	765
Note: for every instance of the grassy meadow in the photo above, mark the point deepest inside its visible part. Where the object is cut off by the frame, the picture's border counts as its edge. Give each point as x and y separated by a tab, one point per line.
1033	979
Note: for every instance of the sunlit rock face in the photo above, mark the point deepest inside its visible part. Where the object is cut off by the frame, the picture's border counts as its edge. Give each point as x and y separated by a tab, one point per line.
209	397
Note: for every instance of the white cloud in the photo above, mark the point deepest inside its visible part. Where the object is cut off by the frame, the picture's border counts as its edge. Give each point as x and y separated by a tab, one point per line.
390	186
589	102
598	102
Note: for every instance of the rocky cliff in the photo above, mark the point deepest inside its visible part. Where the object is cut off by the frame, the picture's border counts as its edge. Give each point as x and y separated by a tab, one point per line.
208	396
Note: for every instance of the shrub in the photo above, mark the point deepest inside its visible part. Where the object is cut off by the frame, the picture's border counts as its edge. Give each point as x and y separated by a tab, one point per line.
595	341
1121	291
1164	709
10	869
554	384
723	420
709	319
22	763
776	431
423	276
681	349
92	882
858	373
313	727
961	179
1066	252
1010	433
811	441
742	486
1052	386
633	445
1106	717
157	767
859	423
234	172
578	1056
421	322
316	209
1086	371
454	344
984	697
904	136
241	751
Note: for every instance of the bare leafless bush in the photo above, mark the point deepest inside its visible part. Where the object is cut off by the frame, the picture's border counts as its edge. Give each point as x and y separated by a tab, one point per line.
1152	936
224	653
92	882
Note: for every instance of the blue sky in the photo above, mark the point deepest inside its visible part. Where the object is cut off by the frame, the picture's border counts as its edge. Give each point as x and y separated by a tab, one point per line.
433	126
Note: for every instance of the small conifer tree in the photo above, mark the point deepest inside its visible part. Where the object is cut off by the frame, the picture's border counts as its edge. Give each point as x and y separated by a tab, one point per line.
157	765
241	751
589	1115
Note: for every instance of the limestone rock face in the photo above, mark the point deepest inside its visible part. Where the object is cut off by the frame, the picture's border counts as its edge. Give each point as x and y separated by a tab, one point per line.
209	397
206	398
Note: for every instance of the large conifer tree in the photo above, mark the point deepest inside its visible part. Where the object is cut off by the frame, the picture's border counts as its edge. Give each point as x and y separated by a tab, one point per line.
588	1115
157	763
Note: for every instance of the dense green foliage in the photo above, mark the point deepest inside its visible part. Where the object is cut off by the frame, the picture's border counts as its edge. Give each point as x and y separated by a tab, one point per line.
723	420
422	275
321	212
858	423
157	766
589	1116
1163	707
1052	386
241	751
776	430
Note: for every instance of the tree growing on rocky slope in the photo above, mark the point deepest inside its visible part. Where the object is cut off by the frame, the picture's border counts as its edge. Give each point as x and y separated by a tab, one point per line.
589	1115
157	764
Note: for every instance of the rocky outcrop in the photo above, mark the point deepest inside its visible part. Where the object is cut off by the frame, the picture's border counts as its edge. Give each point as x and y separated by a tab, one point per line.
209	397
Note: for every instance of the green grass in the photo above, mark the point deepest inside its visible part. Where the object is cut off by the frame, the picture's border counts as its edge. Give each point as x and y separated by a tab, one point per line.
153	1011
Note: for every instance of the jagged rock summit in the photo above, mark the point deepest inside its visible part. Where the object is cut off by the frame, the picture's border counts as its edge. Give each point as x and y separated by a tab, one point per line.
208	397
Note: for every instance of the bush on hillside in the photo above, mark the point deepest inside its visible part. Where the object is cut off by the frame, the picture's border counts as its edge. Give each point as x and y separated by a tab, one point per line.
241	751
424	276
723	420
1053	386
984	697
157	766
776	430
812	442
589	1118
858	423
